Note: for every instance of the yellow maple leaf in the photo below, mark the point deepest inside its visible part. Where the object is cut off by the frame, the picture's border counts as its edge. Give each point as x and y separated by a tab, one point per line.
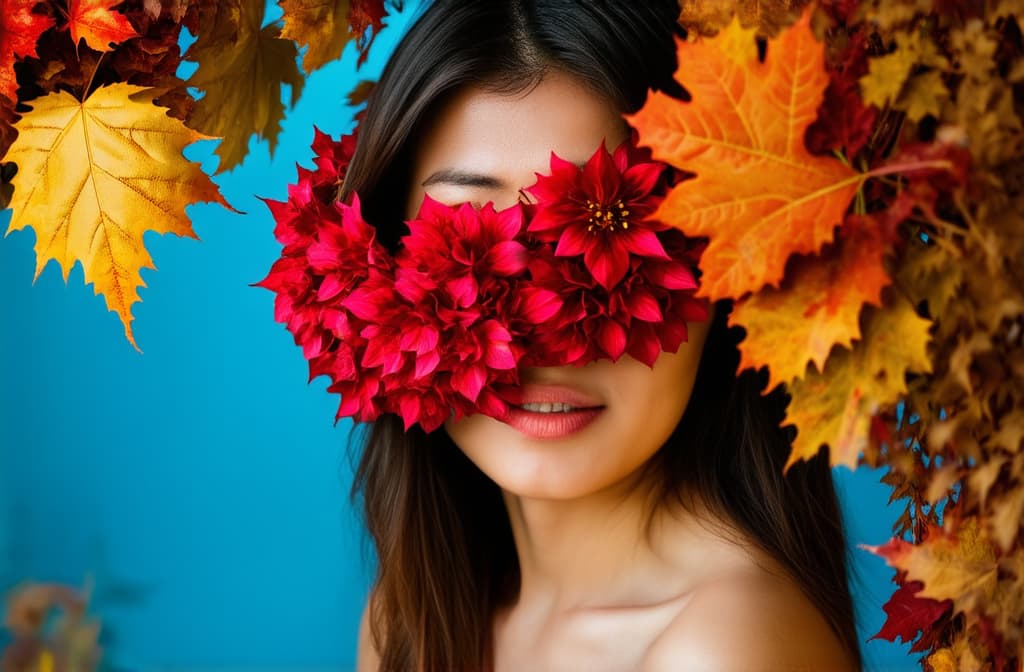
956	658
242	66
961	566
1007	510
834	407
888	74
817	306
94	176
923	95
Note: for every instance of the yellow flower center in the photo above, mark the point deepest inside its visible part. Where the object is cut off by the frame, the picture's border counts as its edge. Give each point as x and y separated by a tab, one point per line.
607	218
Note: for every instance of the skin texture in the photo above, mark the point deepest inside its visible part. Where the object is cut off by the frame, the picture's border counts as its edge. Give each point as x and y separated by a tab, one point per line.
596	594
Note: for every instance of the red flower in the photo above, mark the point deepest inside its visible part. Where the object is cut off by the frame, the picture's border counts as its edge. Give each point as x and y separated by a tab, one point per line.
601	211
312	197
470	252
644	314
455	272
437	330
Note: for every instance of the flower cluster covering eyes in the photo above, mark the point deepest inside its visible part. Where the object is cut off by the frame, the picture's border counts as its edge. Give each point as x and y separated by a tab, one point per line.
441	327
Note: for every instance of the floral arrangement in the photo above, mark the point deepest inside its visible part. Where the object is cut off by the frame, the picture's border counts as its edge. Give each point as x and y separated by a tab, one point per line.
440	328
852	182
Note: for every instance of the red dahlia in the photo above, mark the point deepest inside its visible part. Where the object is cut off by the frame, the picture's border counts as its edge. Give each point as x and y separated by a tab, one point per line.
601	211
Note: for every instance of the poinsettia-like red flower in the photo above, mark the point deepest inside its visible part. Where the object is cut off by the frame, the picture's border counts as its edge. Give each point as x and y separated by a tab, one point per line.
472	252
454	276
311	198
601	211
438	330
644	314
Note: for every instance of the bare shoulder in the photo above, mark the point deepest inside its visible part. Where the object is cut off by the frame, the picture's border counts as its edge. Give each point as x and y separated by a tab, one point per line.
367	657
749	620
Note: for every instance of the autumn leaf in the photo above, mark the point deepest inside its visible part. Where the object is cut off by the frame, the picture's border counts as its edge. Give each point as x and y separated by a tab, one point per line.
888	75
817	306
19	31
710	16
326	26
94	176
909	614
98	23
834	407
150	60
759	195
242	66
960	567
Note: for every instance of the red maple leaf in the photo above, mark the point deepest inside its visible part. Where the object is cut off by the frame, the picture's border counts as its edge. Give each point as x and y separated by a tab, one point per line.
363	14
909	614
98	24
19	31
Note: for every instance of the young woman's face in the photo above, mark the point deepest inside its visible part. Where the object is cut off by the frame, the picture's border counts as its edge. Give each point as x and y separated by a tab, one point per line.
486	147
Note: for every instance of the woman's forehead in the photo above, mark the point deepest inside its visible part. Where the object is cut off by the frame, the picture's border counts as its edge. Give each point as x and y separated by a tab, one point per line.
499	141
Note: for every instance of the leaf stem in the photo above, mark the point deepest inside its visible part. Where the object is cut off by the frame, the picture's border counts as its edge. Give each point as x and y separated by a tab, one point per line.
88	85
909	167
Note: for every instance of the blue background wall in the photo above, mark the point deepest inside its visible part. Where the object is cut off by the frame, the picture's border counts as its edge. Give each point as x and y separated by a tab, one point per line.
203	486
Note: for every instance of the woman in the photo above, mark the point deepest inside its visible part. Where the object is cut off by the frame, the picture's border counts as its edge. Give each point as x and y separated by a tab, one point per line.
660	536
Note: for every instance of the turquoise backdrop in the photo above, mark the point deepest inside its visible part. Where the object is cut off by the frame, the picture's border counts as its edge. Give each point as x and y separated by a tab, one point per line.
202	486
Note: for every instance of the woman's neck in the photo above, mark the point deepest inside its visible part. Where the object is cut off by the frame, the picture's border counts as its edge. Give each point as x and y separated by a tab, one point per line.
591	552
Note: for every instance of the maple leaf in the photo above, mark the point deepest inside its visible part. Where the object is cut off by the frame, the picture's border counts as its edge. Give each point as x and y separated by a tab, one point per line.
817	306
241	68
151	59
888	74
923	95
709	16
759	195
909	614
98	23
834	407
19	31
961	567
94	176
326	26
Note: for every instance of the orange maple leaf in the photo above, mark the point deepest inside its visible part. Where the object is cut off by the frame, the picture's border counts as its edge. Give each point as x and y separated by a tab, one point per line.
98	24
759	196
19	31
817	306
94	176
326	26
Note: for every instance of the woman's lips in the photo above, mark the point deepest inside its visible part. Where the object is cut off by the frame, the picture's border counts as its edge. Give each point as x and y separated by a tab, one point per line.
556	424
549	394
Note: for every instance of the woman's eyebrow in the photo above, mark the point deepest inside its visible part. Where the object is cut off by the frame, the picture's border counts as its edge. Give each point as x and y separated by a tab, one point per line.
463	178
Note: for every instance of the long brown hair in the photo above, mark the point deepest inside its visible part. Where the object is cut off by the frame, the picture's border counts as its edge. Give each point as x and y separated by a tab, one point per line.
446	559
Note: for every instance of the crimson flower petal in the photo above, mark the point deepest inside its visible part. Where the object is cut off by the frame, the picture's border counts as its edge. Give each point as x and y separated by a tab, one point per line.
607	263
575	240
507	257
645	307
469	380
642	242
612	338
540	304
427	363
